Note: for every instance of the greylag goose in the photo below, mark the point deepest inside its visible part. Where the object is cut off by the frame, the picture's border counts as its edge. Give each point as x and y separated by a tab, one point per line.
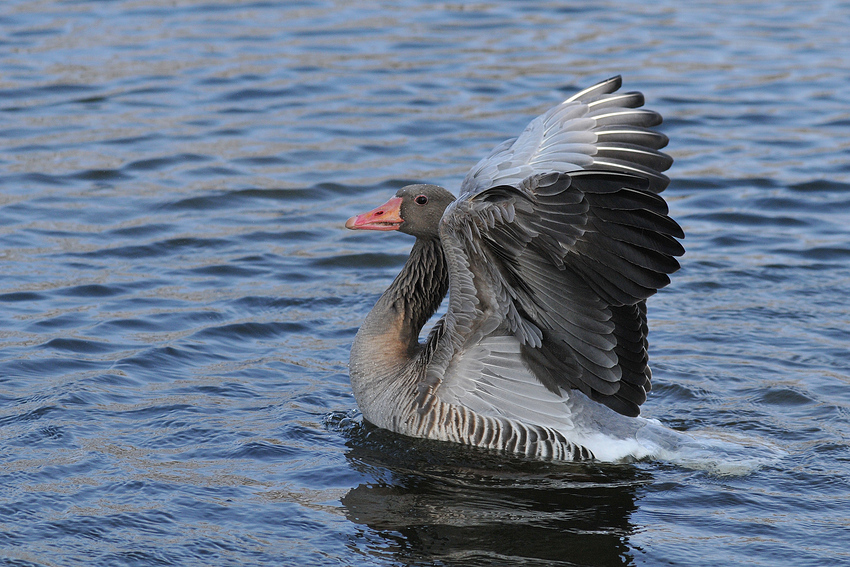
548	255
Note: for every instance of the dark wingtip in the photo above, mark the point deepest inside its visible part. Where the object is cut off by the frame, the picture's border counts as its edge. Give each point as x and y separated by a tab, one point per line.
618	79
604	87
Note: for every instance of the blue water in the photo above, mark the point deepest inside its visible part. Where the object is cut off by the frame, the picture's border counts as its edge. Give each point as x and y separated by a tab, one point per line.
178	294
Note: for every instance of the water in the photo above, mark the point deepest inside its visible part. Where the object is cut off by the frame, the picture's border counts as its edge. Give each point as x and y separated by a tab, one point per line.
178	295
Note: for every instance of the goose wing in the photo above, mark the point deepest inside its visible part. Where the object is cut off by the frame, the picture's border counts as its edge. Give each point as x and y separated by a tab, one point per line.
552	249
597	128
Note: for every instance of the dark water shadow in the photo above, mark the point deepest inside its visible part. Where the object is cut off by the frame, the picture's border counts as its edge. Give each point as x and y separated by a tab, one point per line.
432	503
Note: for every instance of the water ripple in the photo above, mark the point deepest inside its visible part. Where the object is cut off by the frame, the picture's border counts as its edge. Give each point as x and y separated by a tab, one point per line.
179	294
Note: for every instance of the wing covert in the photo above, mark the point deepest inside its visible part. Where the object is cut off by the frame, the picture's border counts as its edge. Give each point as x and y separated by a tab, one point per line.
563	264
596	128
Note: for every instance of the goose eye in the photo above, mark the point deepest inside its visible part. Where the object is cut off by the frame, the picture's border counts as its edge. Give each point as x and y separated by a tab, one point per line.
421	200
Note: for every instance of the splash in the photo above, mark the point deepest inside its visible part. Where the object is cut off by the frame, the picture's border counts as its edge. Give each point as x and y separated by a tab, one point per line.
718	453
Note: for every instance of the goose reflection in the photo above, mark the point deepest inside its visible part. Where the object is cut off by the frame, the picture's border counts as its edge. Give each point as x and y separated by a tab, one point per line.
430	502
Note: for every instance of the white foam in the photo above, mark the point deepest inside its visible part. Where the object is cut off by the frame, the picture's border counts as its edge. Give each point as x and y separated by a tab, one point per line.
720	453
612	437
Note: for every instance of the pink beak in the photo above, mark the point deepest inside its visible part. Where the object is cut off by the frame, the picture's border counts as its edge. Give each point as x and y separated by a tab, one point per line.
385	217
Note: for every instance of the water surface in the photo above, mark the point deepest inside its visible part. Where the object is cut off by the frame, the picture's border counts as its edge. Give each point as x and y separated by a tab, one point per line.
178	294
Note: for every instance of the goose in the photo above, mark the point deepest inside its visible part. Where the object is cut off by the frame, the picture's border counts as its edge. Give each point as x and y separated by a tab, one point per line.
548	255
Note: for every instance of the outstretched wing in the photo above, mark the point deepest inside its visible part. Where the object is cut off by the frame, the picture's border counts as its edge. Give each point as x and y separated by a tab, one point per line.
596	128
550	265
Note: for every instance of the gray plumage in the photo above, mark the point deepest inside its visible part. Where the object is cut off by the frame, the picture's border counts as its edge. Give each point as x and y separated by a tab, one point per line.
548	256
